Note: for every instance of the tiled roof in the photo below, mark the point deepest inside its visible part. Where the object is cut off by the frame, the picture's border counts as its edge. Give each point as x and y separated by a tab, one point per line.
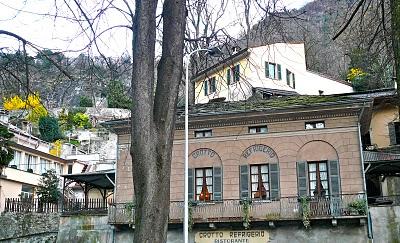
278	103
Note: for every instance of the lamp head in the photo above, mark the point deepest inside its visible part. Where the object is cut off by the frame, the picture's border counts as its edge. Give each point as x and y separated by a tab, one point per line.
215	52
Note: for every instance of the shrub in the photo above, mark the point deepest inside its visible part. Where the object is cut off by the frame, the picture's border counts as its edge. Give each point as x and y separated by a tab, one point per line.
85	101
49	129
6	153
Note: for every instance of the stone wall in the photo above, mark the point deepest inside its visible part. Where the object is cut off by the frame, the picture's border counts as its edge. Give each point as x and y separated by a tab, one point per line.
85	228
28	227
386	223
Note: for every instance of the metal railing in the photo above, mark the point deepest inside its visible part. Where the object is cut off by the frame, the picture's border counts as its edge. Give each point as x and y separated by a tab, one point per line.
89	206
30	205
287	208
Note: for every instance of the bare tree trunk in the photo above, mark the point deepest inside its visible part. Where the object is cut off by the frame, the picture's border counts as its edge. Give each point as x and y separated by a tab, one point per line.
153	115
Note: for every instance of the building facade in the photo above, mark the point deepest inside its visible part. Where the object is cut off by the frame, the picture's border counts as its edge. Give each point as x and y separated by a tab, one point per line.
282	157
266	69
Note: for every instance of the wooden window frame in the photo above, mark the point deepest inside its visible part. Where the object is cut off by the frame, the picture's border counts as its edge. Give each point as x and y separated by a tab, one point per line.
318	181
204	178
259	190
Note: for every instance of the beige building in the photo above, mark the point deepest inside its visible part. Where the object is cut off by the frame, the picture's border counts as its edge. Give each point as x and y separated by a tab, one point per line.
382	149
274	153
32	158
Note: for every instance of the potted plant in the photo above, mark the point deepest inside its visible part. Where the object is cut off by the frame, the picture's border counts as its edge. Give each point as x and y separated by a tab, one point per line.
6	153
358	207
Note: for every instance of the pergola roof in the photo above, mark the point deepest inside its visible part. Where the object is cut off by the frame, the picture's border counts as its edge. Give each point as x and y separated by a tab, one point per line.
99	179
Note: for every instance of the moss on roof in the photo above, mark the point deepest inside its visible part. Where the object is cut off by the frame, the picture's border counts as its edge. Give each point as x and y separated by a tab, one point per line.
272	103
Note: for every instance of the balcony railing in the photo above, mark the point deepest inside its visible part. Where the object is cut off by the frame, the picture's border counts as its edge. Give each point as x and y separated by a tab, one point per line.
288	208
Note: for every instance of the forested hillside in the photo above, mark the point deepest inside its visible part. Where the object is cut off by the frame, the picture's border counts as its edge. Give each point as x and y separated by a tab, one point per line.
361	53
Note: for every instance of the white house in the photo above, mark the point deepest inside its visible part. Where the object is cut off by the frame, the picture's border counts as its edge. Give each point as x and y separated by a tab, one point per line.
276	69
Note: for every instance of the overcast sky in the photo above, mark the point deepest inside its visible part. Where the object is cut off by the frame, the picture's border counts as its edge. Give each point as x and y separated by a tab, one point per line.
22	18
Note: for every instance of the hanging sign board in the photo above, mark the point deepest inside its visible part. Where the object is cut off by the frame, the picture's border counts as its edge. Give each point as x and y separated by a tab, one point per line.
243	236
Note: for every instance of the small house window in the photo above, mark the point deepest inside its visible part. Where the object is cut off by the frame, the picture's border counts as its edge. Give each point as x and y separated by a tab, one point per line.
205	87
26	191
209	86
16	162
258	129
290	79
69	169
233	74
203	133
44	165
212	84
273	70
30	163
315	125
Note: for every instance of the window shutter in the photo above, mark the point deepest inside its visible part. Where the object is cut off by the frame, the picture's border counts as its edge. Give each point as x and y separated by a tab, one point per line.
279	72
266	70
217	183
244	181
288	77
392	133
237	73
228	76
334	181
191	185
205	87
302	178
294	81
212	85
334	178
274	183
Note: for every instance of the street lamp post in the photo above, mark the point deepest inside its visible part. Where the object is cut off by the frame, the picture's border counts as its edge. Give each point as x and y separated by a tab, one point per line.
213	51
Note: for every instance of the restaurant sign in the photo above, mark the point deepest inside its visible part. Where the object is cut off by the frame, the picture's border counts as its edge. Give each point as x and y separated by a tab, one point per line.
243	236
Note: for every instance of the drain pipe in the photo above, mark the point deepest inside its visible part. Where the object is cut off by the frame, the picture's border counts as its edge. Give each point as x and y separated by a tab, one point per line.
369	222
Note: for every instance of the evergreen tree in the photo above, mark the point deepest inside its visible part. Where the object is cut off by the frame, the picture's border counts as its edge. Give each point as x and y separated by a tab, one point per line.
6	153
49	129
116	96
48	191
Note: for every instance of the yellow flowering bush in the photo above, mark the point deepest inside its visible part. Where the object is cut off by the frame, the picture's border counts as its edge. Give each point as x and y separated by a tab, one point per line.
14	103
32	104
56	148
355	73
33	101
